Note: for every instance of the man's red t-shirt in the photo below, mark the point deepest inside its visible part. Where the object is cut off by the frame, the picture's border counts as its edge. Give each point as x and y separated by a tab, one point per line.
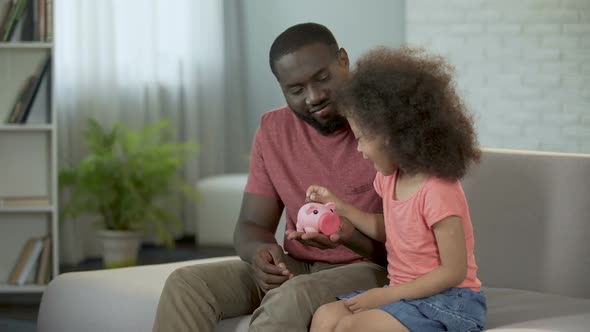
288	156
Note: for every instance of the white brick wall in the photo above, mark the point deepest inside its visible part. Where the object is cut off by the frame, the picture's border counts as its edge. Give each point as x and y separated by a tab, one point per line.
523	66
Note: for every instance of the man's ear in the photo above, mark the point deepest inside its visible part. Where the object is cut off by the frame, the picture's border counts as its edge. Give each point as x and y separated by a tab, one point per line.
343	58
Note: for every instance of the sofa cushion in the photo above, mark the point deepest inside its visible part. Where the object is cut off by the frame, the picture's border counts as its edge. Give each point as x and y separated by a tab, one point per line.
126	300
511	308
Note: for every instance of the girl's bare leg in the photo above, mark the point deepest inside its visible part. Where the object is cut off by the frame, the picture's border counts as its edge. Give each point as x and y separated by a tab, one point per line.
327	316
374	320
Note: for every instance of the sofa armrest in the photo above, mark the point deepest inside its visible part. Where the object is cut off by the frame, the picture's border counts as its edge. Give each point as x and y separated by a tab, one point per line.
117	300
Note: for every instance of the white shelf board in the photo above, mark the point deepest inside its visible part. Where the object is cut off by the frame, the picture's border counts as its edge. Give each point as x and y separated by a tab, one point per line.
25	45
28	288
26	127
26	209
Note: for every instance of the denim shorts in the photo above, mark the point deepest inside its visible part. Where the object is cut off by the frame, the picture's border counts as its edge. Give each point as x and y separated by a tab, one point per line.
455	309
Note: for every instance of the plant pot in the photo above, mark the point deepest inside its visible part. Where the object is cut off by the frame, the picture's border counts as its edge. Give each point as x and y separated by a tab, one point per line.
119	248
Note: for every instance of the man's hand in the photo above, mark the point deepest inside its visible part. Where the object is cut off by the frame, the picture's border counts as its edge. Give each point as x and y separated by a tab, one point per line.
370	299
269	267
322	241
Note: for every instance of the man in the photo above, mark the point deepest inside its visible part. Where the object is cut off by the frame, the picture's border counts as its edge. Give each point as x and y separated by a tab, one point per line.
301	144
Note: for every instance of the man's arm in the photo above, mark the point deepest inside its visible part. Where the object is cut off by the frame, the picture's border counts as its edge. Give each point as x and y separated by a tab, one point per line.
362	244
254	240
257	224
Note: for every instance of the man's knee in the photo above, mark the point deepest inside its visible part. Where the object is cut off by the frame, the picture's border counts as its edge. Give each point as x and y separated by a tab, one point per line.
190	281
302	294
177	279
299	286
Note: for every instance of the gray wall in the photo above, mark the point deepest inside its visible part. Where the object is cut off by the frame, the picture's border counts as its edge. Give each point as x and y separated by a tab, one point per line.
357	25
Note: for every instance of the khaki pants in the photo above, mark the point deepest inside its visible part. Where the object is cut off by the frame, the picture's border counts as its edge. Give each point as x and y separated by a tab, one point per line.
196	297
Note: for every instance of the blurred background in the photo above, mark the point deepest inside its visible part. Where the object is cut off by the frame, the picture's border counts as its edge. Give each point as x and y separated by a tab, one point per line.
523	67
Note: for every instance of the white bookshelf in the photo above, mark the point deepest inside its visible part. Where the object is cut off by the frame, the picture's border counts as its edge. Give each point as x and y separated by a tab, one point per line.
28	160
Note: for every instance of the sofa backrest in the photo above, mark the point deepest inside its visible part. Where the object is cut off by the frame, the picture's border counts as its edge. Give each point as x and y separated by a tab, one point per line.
531	218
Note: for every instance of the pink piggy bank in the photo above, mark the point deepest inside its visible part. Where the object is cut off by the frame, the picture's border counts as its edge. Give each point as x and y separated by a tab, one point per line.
317	217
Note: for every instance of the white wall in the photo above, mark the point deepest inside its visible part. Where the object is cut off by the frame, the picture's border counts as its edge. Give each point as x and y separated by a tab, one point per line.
524	66
357	26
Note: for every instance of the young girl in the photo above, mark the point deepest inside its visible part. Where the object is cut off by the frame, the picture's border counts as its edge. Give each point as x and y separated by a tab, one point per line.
409	121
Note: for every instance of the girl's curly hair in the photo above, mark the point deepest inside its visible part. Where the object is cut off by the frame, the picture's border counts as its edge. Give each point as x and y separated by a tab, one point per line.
408	97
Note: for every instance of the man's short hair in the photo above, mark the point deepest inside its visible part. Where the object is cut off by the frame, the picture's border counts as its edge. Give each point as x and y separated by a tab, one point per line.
298	36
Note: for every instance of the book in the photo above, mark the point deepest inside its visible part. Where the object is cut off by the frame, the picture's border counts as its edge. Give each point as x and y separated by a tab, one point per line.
6	13
41	74
30	262
27	33
16	13
29	92
49	20
40	111
44	267
26	252
40	22
20	100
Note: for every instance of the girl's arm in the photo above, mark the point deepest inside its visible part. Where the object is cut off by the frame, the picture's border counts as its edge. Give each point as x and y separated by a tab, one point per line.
370	224
451	272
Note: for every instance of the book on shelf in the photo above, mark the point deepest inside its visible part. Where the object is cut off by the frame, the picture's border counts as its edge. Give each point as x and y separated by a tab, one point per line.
5	16
44	267
33	96
40	19
24	201
48	35
26	261
26	20
11	22
18	108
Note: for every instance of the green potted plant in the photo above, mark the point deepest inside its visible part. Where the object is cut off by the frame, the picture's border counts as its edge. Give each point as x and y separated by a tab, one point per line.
130	181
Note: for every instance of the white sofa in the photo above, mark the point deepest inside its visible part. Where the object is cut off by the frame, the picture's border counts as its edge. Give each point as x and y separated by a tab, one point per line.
531	214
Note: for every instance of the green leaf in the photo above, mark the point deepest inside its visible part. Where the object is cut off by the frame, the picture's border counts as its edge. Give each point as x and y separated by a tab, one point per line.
129	178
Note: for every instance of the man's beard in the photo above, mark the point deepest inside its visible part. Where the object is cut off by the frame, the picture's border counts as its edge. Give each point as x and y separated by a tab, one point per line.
335	123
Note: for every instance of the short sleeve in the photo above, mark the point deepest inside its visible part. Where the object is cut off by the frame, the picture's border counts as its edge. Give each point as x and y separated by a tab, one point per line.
378	184
259	181
443	199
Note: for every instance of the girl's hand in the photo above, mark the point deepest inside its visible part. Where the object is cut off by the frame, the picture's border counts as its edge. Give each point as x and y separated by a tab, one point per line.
370	299
322	195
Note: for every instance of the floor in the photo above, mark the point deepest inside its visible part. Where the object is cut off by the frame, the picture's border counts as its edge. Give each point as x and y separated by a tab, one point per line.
18	313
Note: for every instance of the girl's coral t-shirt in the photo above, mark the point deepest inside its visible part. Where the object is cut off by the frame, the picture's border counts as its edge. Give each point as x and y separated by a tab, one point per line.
411	244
